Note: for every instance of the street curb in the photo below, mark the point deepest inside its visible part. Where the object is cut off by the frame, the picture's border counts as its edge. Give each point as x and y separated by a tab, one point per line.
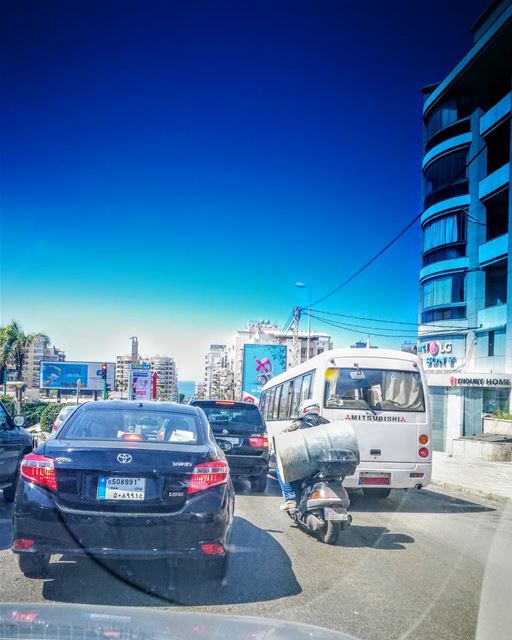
486	495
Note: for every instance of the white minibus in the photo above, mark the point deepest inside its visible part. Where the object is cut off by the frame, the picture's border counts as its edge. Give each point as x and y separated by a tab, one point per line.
383	393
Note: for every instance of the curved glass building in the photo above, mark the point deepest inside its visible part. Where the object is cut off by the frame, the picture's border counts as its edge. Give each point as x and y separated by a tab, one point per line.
464	315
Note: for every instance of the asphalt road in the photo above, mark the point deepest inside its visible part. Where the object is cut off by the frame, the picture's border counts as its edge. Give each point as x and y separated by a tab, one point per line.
417	565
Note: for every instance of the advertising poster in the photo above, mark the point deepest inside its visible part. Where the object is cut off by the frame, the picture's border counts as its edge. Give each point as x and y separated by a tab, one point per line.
64	375
140	384
261	363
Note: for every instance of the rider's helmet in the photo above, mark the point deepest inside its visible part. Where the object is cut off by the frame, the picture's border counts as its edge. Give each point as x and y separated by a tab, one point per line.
308	406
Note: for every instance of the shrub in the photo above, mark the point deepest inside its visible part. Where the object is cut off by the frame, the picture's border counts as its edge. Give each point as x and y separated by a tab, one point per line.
502	415
48	416
30	410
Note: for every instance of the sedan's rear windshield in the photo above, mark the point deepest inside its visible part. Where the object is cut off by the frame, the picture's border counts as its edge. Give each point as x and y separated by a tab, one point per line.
133	425
232	417
374	389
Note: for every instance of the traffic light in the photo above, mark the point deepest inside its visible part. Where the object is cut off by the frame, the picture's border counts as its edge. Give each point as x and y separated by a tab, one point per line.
104	371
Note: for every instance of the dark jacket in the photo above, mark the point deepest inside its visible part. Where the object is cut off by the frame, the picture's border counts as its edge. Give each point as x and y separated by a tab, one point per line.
308	421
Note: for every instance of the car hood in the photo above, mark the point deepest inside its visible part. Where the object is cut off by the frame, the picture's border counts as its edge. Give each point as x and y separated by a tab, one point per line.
67	622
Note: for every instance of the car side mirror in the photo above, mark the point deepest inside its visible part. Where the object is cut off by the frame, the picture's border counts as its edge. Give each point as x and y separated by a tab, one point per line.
19	421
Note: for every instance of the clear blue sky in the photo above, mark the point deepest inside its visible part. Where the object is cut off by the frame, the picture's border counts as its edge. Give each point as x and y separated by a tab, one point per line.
170	169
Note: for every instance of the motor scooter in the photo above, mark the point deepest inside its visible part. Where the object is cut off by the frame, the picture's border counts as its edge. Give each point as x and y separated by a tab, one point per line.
322	508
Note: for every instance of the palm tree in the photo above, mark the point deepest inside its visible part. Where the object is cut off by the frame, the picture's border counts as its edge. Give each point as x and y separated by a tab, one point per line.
14	343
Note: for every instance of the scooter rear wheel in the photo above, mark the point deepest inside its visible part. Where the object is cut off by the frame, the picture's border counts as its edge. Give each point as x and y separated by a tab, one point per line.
330	532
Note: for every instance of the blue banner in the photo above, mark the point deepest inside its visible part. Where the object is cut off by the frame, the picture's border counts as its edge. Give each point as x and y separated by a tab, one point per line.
261	363
63	375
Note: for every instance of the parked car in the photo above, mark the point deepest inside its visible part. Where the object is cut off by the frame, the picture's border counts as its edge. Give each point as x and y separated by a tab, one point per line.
103	487
64	414
240	432
15	442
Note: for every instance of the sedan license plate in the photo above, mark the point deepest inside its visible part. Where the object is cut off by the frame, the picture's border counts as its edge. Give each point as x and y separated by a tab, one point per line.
335	514
230	440
121	488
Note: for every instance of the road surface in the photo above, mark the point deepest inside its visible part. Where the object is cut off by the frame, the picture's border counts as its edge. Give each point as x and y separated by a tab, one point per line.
420	565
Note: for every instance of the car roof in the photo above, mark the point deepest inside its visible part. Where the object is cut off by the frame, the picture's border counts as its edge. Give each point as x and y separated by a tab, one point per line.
225	403
168	407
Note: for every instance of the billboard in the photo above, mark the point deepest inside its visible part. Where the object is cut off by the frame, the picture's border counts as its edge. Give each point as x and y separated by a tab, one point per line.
140	383
261	363
64	375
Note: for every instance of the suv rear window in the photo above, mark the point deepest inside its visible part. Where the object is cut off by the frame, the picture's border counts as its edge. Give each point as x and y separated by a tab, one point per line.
234	417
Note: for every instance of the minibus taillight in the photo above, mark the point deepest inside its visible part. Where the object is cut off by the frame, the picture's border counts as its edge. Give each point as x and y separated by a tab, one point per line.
423	439
423	452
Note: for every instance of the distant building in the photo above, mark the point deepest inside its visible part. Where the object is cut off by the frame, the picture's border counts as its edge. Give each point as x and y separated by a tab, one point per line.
199	391
465	310
167	376
218	375
265	332
164	366
36	352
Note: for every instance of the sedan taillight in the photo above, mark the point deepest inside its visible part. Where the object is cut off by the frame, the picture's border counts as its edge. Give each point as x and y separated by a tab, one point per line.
208	474
259	441
39	470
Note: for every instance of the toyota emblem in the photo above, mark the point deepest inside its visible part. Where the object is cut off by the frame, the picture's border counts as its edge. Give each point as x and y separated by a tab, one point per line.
124	458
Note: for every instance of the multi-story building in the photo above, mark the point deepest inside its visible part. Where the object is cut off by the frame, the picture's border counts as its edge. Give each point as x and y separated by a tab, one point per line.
167	376
269	333
199	390
217	373
464	334
164	366
37	351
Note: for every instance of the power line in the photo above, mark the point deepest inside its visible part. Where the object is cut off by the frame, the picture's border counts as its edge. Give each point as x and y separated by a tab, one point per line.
391	242
359	331
413	324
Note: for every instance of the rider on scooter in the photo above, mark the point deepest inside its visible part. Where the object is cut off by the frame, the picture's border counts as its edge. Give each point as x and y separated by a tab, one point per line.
309	416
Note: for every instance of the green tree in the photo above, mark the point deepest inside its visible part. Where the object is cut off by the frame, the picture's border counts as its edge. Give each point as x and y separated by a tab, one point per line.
14	343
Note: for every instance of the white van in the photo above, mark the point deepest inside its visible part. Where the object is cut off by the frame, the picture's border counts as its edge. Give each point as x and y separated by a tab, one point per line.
383	393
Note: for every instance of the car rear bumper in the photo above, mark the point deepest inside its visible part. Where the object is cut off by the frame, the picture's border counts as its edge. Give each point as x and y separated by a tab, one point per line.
56	530
247	465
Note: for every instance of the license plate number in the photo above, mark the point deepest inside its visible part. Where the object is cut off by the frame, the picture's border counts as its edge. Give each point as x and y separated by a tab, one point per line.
231	440
335	514
121	488
369	478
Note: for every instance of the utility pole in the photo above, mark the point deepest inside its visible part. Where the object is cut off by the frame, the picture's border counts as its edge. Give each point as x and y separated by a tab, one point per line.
295	343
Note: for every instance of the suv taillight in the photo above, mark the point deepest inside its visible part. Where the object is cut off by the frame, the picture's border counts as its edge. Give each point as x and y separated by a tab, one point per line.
55	426
208	474
259	441
39	470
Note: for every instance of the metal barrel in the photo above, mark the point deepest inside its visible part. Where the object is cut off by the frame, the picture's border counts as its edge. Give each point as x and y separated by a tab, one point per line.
297	452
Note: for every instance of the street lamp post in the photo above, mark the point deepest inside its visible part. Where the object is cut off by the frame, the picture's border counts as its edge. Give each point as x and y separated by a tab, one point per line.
301	285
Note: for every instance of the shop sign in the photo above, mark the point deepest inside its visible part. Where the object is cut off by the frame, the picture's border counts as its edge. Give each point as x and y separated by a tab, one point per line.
474	381
439	354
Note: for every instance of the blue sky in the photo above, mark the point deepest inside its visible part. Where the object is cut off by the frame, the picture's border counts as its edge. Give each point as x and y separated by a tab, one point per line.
171	169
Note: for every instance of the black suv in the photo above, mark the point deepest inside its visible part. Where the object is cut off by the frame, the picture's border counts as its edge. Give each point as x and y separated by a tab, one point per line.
15	443
240	432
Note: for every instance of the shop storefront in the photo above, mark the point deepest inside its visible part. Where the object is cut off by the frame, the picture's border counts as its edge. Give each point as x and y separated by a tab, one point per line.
459	399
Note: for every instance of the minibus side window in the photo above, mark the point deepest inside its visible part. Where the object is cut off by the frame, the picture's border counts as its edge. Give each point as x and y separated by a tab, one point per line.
276	402
294	405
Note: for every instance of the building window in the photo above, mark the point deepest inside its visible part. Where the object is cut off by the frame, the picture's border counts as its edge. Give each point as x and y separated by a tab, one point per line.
496	209
447	113
443	291
444	238
446	177
498	147
496	284
490	343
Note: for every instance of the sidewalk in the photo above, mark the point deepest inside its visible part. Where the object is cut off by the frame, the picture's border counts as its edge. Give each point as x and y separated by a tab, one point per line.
491	480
